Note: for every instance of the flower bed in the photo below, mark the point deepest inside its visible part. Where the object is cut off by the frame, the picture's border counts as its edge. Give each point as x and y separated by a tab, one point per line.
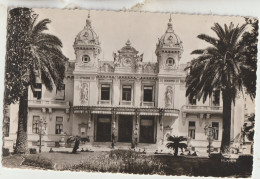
38	161
119	161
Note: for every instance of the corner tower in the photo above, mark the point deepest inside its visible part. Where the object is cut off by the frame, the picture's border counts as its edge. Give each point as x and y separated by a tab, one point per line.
87	49
168	50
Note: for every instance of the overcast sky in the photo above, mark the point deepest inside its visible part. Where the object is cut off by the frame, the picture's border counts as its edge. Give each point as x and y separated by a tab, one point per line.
143	29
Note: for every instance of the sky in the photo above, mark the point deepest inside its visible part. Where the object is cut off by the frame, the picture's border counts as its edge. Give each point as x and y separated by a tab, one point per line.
143	29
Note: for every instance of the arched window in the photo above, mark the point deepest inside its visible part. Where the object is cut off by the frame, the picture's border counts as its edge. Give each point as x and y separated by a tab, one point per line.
85	59
170	61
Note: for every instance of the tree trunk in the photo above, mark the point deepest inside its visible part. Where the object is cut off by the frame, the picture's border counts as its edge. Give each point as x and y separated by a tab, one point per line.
176	148
227	101
21	141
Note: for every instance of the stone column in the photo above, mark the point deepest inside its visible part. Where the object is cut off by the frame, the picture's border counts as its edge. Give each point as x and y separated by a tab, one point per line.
116	91
138	92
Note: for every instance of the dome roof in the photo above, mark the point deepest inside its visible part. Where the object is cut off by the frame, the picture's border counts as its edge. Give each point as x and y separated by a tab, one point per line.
169	38
128	48
87	36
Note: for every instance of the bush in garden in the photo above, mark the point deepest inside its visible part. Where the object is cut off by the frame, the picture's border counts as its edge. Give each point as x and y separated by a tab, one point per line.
123	161
38	161
6	152
245	163
33	151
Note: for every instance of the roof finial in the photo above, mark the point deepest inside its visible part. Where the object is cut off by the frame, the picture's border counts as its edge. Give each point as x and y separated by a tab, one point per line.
170	23
128	42
88	21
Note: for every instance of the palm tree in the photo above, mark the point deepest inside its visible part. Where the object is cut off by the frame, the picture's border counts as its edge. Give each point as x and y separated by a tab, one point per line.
218	67
43	60
175	143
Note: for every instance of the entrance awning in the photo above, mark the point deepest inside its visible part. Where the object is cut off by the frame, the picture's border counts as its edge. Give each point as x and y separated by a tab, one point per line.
100	112
149	114
125	113
126	110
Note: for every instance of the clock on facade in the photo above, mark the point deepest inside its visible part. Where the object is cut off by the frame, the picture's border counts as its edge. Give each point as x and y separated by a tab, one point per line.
127	61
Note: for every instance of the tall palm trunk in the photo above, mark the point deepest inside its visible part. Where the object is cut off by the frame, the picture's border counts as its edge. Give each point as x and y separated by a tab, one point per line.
227	100
21	141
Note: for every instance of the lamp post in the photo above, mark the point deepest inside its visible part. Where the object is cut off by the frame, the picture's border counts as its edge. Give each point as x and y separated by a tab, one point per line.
42	125
209	132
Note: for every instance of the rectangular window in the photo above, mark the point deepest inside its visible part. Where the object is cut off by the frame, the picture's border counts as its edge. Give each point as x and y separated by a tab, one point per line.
59	125
193	101
215	126
105	92
191	130
60	93
148	94
216	98
35	125
37	93
127	92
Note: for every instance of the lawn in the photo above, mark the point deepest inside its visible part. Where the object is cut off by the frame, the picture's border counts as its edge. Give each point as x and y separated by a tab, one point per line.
125	161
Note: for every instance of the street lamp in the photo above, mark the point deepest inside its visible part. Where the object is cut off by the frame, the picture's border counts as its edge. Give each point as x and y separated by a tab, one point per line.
42	125
209	132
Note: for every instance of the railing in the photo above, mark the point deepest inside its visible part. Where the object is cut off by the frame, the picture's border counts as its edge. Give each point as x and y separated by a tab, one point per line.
206	108
151	104
48	102
105	102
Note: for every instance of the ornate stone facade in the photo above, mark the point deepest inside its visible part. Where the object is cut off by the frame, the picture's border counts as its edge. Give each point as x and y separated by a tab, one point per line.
140	102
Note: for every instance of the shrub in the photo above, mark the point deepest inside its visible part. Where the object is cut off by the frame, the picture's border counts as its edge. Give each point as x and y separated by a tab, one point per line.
33	151
216	156
123	161
6	152
38	161
245	163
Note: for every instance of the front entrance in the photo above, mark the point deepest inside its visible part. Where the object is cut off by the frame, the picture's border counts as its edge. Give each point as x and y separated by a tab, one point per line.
147	129
125	127
104	128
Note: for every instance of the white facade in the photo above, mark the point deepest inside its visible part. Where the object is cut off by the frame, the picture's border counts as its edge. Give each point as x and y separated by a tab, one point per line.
136	101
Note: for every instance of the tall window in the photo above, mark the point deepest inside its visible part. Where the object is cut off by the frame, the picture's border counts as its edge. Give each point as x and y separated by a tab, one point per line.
37	93
105	92
127	92
59	125
216	98
216	130
193	101
191	130
60	93
148	94
35	125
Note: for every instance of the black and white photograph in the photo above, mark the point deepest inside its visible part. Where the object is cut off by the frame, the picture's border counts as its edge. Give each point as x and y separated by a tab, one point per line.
143	93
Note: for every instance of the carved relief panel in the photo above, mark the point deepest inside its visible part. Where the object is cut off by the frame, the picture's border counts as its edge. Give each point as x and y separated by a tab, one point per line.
169	96
84	92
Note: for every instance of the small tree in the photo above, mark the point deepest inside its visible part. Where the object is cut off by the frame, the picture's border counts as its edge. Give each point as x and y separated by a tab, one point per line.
175	142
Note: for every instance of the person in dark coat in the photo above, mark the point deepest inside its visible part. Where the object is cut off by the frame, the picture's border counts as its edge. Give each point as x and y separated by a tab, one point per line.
76	146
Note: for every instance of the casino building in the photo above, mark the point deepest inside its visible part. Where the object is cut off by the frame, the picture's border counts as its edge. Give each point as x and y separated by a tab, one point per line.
137	101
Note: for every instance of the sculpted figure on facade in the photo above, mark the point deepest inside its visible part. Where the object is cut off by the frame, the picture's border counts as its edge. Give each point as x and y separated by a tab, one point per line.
139	62
116	59
84	93
168	96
